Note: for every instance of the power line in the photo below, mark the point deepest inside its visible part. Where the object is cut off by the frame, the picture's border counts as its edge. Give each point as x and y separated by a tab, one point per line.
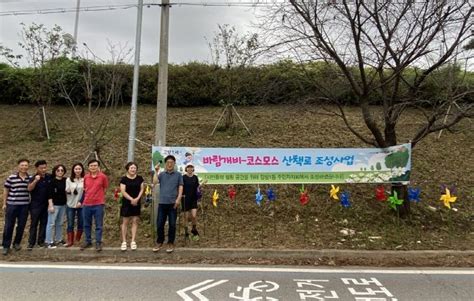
96	8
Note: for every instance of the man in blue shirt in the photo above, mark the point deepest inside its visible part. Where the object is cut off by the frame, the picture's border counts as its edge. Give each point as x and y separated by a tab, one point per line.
38	188
171	191
16	199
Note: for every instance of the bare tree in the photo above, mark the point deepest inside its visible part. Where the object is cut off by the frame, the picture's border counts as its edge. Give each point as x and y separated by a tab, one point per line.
232	51
384	51
102	83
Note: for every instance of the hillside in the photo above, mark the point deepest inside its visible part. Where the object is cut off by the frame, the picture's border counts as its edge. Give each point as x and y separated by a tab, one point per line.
285	224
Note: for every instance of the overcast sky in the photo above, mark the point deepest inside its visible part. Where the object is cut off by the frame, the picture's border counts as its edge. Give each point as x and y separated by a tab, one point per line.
188	25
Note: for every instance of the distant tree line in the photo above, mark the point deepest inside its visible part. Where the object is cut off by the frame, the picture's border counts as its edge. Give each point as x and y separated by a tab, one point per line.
201	84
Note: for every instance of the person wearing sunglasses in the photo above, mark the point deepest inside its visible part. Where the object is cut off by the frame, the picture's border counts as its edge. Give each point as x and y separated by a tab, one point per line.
56	207
75	192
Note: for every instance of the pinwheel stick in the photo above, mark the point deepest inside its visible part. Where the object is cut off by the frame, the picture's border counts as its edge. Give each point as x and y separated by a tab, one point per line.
274	217
305	214
218	217
262	217
234	208
204	219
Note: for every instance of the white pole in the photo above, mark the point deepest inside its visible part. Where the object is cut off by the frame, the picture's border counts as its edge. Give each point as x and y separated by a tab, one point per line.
76	26
136	74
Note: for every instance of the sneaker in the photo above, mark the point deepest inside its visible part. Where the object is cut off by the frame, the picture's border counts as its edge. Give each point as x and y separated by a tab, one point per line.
5	251
52	246
123	246
98	247
85	245
17	247
195	232
30	247
133	246
157	247
170	248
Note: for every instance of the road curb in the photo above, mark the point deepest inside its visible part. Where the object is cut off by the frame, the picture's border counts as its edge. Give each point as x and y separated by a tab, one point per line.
325	257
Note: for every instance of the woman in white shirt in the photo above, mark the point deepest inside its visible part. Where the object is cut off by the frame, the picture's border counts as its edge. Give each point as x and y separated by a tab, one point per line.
74	192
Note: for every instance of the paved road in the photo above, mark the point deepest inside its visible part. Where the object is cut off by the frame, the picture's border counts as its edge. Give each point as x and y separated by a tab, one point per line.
132	282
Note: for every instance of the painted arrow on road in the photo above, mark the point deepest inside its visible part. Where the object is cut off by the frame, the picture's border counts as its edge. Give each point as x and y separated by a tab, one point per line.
198	288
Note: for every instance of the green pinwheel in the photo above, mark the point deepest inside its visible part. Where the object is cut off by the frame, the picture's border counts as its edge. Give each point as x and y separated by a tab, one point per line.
393	201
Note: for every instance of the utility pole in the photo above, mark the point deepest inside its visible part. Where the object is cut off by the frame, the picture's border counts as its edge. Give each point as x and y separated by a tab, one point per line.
162	98
136	74
76	25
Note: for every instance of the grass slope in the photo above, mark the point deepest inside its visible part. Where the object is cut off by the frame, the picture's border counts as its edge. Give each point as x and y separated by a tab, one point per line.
286	224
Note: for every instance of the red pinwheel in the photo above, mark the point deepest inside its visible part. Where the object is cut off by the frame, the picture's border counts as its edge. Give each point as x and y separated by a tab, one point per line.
231	192
116	194
304	196
380	194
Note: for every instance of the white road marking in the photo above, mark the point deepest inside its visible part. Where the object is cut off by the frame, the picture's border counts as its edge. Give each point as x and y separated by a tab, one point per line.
198	294
182	292
465	271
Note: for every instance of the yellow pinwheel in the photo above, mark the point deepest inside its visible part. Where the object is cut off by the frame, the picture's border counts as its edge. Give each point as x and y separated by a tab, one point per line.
447	198
333	192
215	198
147	190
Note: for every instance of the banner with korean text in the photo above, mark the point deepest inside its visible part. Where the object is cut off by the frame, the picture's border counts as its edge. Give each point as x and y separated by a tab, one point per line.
292	165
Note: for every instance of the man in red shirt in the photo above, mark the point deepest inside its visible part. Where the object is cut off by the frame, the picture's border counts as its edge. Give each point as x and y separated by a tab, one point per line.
95	186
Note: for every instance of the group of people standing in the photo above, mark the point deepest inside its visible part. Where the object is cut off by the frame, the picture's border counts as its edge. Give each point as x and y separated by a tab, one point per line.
47	198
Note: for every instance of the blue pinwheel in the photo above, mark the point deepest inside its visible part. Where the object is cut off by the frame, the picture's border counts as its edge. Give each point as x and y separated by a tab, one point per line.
271	194
414	194
345	199
258	197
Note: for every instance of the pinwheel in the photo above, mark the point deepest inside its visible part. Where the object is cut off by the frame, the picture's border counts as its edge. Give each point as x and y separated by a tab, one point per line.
333	192
117	195
380	194
271	195
447	198
393	201
148	196
345	199
304	197
198	193
215	198
231	192
414	194
258	197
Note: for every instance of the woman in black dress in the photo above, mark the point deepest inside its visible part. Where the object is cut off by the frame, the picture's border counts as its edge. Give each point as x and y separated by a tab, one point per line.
190	204
132	187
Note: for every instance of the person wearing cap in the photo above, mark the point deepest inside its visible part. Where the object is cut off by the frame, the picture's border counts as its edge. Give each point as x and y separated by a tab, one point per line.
171	191
190	204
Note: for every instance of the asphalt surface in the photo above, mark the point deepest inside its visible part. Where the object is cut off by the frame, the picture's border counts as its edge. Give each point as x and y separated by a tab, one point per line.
308	257
44	281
